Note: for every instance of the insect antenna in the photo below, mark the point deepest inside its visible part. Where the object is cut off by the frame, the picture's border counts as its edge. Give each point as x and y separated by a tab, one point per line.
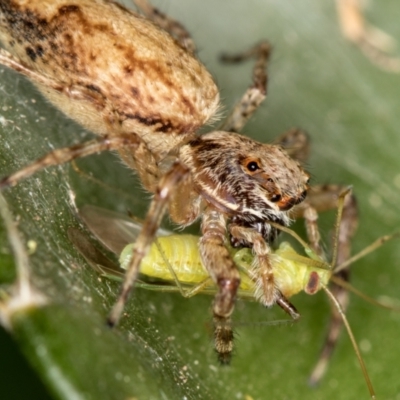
346	323
367	250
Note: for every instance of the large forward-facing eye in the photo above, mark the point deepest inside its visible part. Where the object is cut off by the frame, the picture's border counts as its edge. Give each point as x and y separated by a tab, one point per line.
275	198
252	166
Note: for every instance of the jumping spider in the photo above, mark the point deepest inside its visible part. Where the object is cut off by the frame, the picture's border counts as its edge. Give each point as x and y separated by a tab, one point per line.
138	85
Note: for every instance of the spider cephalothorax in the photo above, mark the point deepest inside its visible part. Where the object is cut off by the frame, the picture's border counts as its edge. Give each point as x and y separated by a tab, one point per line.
240	176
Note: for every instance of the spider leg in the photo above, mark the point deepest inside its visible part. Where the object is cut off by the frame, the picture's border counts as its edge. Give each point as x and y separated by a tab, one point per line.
66	154
174	28
256	93
152	222
296	143
72	91
373	42
224	273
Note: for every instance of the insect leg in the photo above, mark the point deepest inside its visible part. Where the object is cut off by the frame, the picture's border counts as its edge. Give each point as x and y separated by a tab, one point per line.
174	28
325	197
256	93
152	222
66	154
184	291
311	217
328	197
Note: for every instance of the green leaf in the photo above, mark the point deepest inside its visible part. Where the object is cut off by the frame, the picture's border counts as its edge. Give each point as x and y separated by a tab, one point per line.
163	349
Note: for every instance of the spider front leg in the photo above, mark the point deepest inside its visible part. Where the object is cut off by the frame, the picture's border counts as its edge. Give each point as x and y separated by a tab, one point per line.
256	93
224	273
266	289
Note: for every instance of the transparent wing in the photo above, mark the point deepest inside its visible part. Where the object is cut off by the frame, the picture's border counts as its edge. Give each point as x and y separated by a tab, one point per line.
96	259
112	229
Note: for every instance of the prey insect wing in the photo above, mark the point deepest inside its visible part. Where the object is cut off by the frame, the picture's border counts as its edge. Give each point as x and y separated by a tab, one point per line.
102	264
113	229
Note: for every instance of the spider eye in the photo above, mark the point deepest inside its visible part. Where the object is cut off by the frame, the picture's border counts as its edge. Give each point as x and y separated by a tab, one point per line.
275	198
252	166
